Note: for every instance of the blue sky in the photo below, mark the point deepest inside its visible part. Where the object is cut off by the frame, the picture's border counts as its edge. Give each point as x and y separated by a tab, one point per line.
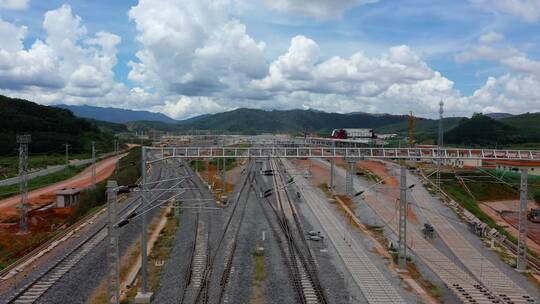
218	55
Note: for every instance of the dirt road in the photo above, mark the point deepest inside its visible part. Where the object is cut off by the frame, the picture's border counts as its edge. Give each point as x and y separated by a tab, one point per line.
45	195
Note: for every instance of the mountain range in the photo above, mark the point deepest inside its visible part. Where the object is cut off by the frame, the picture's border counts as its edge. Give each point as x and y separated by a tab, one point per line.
115	115
485	130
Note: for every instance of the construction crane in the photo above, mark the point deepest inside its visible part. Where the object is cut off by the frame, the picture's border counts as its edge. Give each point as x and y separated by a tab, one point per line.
410	129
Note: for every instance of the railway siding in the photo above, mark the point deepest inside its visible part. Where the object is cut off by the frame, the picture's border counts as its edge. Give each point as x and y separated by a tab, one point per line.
374	286
485	271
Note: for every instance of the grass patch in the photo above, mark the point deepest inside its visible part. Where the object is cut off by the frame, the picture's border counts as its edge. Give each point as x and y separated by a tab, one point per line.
230	163
260	273
198	165
14	246
514	178
161	251
369	175
159	254
9	165
434	290
485	187
464	199
42	181
129	171
326	189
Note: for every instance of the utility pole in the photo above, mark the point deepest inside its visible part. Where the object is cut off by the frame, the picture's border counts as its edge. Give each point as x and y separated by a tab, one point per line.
522	241
402	233
349	188
113	280
93	177
23	141
117	162
440	144
67	154
224	174
144	296
332	164
208	171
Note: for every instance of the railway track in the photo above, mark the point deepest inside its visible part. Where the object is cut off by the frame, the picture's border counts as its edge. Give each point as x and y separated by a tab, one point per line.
299	259
462	284
373	285
483	269
40	284
201	271
532	261
227	271
33	290
200	249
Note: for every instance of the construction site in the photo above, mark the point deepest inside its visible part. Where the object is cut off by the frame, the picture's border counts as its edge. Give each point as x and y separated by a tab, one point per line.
266	219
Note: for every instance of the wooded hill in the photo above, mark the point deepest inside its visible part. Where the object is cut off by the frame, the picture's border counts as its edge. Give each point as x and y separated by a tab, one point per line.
481	130
254	121
49	127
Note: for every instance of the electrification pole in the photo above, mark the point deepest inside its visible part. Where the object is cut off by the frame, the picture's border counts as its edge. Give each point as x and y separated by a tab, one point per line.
349	187
402	233
522	241
23	141
332	164
113	280
440	144
224	175
67	154
117	162
144	295
93	177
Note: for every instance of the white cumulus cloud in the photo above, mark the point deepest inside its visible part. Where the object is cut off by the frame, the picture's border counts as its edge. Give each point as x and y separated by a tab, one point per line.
192	47
69	66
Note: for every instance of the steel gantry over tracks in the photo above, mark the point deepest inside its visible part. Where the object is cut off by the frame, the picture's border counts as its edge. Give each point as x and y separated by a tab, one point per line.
158	154
351	155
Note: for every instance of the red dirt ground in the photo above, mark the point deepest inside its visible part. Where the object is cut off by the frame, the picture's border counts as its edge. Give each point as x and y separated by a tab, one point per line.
45	195
391	185
321	174
533	229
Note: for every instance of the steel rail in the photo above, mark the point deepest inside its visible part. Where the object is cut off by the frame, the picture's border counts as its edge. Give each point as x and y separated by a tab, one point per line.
373	285
307	258
101	227
207	272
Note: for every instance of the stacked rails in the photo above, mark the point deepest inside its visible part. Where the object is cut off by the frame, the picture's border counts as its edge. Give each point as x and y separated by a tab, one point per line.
487	273
373	285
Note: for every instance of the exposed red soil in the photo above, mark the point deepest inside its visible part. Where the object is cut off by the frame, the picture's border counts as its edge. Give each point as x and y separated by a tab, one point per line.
533	229
391	186
319	173
45	195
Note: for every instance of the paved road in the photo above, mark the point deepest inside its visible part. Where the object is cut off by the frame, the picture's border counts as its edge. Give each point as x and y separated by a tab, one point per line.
43	172
77	284
104	169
